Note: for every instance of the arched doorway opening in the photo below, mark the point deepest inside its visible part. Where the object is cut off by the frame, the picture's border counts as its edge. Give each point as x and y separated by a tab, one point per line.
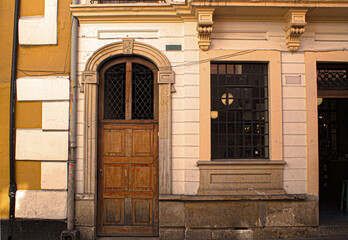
128	148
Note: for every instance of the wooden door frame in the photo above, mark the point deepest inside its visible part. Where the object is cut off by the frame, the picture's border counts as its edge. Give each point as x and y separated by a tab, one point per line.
90	81
104	230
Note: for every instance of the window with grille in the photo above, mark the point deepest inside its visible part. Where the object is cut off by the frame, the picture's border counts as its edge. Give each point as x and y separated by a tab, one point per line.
128	92
239	111
332	76
115	92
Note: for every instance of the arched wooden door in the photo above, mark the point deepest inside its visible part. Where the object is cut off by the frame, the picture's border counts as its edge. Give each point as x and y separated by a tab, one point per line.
128	149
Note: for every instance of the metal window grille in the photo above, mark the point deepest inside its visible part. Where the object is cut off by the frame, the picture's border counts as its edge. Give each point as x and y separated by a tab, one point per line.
142	92
332	77
115	92
239	111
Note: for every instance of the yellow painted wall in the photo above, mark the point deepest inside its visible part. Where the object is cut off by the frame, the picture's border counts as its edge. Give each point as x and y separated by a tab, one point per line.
37	60
28	175
6	26
28	115
32	61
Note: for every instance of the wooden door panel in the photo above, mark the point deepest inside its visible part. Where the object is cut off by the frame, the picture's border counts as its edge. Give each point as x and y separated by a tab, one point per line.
129	179
114	211
142	177
128	194
114	143
114	176
131	231
142	142
128	159
142	214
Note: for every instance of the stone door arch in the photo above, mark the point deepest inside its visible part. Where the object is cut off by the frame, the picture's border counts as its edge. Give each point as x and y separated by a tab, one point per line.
90	81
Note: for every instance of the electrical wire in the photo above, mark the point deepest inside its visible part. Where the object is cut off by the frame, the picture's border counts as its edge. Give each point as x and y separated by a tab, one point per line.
242	52
47	72
216	58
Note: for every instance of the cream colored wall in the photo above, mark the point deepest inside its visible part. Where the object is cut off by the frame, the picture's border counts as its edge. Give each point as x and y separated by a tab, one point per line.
294	122
299	111
289	113
185	105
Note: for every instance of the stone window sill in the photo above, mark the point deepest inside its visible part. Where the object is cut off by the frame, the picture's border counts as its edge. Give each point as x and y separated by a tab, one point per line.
241	177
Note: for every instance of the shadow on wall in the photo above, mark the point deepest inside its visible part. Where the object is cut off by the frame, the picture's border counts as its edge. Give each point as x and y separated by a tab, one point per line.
32	229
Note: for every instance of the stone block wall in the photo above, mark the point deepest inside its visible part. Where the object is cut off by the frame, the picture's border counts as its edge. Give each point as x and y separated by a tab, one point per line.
236	217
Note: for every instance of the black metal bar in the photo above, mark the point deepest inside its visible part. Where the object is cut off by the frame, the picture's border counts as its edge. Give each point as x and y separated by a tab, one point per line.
13	185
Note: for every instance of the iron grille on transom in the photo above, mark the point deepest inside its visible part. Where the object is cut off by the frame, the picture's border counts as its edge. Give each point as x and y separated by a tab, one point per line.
114	92
142	92
239	110
332	76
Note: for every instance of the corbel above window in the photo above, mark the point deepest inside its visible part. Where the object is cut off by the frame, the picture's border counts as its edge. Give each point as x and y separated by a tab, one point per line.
204	27
295	21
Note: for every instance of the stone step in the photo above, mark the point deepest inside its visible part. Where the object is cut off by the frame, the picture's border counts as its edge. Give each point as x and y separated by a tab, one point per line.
128	238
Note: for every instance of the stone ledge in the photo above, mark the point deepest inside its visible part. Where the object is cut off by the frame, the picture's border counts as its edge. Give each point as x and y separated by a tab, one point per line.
240	162
286	197
241	177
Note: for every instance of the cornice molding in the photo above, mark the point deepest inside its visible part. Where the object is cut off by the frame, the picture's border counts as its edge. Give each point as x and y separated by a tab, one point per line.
295	22
164	12
272	3
133	13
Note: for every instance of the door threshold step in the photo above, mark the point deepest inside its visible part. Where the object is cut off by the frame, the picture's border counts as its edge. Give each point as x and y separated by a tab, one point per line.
128	238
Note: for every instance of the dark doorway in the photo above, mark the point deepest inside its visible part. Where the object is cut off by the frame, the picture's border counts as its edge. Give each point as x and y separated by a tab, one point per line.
333	140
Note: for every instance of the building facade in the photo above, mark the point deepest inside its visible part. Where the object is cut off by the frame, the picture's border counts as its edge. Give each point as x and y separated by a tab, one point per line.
42	103
195	119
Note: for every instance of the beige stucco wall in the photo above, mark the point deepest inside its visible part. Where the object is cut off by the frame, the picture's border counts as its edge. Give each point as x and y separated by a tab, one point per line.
191	96
301	172
185	105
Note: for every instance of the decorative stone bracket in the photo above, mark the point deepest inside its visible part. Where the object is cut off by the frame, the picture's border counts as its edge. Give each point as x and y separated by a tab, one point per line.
88	77
167	77
295	21
204	27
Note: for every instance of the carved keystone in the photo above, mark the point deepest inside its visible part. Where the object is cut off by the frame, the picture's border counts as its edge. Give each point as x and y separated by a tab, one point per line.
204	27
128	46
295	22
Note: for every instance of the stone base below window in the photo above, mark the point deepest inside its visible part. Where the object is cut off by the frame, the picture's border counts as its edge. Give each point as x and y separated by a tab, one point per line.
241	177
